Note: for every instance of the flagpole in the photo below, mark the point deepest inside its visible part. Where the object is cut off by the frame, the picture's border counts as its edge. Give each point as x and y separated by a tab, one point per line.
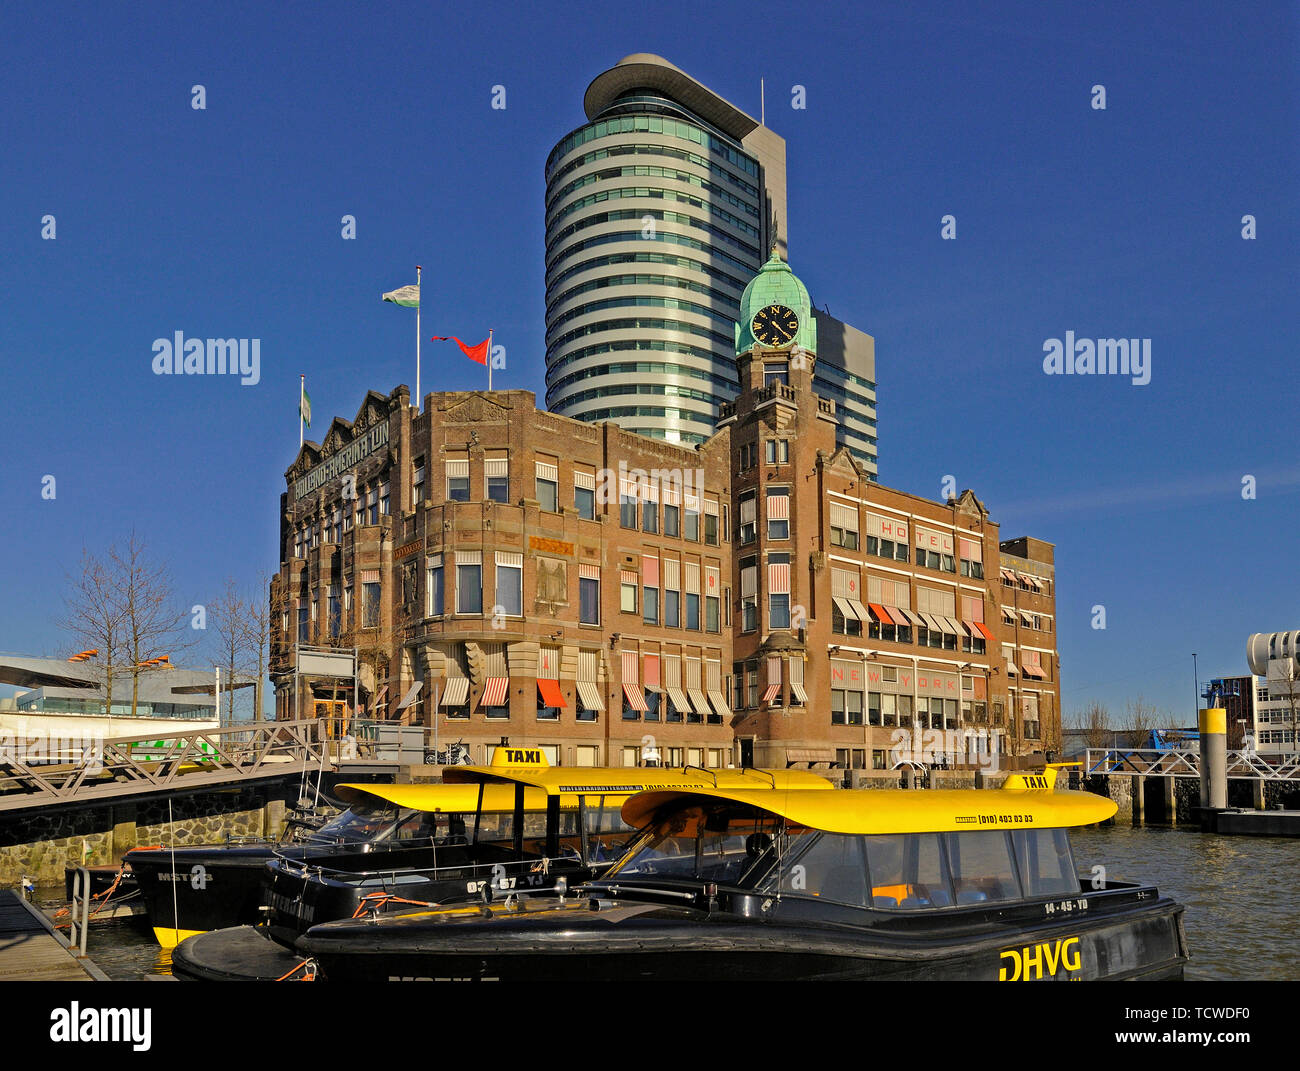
302	389
418	269
489	358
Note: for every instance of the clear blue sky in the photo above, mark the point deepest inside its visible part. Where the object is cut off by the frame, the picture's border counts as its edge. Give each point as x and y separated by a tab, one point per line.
226	222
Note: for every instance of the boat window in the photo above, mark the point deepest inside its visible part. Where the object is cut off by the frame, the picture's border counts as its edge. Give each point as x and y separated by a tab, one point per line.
704	843
982	869
363	823
607	833
1046	865
908	871
832	868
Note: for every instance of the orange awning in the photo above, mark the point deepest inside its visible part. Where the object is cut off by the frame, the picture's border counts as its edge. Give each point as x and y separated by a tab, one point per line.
551	694
882	615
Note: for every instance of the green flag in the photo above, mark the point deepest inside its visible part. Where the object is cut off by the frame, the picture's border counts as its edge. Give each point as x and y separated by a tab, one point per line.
304	408
406	296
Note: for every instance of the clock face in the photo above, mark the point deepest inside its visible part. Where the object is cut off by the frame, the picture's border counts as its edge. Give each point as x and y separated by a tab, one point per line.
775	325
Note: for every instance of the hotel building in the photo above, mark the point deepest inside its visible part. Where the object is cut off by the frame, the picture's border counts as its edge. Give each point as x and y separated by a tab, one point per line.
609	597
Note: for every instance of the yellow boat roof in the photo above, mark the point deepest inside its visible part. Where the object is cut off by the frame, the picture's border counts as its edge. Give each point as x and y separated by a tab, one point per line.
884	811
627	780
446	798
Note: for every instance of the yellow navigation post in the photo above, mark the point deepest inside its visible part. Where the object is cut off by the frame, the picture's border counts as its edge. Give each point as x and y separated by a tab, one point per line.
1214	757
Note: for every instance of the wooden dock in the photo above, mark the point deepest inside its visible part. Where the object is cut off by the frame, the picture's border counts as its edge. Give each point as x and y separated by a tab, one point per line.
31	950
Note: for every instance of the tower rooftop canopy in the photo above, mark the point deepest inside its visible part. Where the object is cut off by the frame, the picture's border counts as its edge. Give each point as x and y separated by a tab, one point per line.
643	70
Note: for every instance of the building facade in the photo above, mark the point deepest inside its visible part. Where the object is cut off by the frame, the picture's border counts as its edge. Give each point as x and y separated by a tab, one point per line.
658	211
612	598
560	584
872	625
1274	658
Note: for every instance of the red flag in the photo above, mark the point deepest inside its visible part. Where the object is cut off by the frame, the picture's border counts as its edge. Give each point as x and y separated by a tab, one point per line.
474	353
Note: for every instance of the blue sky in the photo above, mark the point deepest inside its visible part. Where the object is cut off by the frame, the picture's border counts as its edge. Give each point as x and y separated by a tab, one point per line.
1117	223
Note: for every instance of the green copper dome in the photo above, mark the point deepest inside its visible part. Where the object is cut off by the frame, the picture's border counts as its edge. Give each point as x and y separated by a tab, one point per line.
776	284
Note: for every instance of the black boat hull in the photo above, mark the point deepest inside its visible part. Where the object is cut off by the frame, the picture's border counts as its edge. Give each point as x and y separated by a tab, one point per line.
639	943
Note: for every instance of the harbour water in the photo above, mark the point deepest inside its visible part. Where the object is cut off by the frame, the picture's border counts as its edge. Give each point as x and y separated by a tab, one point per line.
1240	894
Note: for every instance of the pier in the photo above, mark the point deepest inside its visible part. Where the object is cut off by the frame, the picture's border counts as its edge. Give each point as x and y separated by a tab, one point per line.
32	950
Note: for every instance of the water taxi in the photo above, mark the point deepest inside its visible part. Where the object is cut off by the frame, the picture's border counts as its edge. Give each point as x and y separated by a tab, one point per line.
727	883
517	825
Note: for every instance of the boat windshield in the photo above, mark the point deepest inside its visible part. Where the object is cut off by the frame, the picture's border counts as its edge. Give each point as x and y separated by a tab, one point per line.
733	844
704	843
385	823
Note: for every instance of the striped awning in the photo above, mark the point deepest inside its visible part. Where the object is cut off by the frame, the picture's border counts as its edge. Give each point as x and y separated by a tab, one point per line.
719	703
897	615
680	703
845	607
635	697
796	689
699	702
456	692
913	617
771	693
589	693
494	692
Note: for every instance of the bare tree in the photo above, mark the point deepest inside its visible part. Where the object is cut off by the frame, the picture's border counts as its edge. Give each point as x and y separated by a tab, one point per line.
229	614
266	606
1094	721
1139	719
94	617
154	625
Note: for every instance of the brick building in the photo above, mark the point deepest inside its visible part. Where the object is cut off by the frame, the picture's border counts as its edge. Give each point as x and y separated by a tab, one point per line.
562	584
755	599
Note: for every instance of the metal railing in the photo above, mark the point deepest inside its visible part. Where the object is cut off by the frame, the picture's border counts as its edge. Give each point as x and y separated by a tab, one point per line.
1159	762
188	759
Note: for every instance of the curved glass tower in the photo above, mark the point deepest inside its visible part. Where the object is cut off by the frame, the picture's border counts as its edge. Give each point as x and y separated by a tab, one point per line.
659	210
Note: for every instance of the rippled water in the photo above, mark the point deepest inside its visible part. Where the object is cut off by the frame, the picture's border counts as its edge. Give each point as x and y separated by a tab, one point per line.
1240	894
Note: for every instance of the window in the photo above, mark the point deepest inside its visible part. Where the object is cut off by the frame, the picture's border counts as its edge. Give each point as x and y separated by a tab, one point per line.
589	596
458	479
469	586
846	707
650	605
844	526
776	373
304	624
692	520
672	609
384	510
338	525
777	451
627	506
778	513
584	500
844	626
693	610
748	455
749	595
778	598
510	585
417	484
672	520
627	591
650	515
711	523
548	486
748	517
335	611
370	604
496	470
436	587
751	683
712	615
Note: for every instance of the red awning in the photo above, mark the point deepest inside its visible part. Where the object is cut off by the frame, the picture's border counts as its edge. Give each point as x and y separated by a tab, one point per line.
983	631
494	693
635	697
551	694
898	616
771	693
882	615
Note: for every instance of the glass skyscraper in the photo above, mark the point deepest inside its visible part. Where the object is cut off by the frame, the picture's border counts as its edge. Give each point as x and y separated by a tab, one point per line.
659	210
